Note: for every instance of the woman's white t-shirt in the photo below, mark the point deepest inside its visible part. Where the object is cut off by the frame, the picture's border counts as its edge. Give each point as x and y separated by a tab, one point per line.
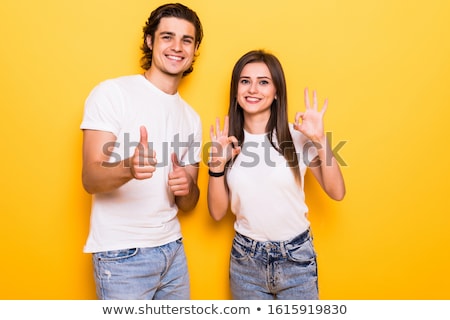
269	205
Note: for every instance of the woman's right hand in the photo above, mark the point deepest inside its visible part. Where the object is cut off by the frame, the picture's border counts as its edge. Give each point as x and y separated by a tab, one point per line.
223	148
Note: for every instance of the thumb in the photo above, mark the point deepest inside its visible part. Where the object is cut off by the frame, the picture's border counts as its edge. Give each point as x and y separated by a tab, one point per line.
143	136
175	162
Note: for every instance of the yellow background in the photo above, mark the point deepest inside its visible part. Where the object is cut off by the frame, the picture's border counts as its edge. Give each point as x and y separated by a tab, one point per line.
384	65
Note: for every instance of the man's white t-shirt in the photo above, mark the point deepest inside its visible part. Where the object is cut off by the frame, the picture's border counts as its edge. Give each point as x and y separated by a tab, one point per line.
141	213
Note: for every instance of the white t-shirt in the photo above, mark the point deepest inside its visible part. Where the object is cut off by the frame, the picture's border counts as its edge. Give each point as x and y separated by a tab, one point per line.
269	205
141	213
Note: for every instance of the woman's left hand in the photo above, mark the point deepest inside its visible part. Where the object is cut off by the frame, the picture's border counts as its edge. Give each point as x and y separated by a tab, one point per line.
311	124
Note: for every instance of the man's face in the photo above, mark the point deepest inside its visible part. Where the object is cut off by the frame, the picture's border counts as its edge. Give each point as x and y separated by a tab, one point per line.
173	47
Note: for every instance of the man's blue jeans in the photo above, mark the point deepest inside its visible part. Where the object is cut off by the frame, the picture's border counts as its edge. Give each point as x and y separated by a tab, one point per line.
158	273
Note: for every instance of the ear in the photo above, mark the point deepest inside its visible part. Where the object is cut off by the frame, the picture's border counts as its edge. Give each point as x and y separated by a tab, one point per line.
148	41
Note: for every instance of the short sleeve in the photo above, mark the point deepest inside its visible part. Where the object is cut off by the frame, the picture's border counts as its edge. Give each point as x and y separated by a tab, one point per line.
103	108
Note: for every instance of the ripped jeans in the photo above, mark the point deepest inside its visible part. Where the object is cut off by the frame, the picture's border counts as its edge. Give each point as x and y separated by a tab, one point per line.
158	273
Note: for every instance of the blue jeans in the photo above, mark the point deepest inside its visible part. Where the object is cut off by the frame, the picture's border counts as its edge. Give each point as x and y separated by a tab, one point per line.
269	270
158	273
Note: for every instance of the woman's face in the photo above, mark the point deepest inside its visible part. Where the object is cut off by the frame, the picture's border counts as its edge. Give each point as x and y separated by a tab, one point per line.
256	90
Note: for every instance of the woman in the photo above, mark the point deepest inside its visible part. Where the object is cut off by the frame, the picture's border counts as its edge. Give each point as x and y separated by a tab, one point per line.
257	164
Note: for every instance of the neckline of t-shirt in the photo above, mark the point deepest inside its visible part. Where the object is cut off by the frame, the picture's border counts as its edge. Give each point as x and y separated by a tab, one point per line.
255	135
158	90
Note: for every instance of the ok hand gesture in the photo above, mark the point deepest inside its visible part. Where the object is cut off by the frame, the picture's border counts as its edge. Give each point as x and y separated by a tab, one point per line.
311	124
223	147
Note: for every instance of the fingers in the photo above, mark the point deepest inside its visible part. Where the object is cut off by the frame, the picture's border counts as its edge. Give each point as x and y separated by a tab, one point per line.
219	133
179	183
175	162
143	166
179	188
144	136
325	106
307	98
298	115
214	132
144	160
211	133
178	179
307	102
235	143
223	147
315	101
226	124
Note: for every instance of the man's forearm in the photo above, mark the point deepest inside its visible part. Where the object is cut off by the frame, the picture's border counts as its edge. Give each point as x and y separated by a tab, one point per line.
105	177
189	201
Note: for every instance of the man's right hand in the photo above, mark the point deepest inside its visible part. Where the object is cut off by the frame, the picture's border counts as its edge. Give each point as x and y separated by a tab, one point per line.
143	162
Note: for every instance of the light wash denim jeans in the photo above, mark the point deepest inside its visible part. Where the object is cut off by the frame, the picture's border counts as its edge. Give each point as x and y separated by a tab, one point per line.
158	273
269	270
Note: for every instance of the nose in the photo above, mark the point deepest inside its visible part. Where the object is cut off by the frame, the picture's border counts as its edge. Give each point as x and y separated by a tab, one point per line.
176	45
253	88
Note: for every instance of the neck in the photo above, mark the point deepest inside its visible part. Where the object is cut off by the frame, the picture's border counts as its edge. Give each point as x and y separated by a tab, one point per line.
165	82
255	127
255	124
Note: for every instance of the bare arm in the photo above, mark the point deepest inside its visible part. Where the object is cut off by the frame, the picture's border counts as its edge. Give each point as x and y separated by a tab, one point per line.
327	174
221	151
98	175
218	199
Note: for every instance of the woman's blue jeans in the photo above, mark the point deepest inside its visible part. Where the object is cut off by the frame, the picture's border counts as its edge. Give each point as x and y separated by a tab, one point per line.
269	270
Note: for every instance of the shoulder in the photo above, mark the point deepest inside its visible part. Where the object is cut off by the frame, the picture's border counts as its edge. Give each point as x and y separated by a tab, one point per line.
118	82
118	88
111	92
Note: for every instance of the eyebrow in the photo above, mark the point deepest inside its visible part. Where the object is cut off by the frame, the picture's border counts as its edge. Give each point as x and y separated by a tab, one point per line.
186	36
258	77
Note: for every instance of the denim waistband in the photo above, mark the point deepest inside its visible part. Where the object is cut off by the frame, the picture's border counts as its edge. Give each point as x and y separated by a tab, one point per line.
273	246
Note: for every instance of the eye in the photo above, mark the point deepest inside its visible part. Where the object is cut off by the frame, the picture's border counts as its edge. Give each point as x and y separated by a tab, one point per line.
244	81
264	82
187	41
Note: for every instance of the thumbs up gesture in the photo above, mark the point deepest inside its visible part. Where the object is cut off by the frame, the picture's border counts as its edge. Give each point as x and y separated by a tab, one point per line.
179	179
143	161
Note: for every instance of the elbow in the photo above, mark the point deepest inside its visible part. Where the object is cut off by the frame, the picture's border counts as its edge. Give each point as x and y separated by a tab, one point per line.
186	207
88	188
338	195
189	201
336	191
216	217
216	214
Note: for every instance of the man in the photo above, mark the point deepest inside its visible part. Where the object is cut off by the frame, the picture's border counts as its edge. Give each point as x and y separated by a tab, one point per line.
141	149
